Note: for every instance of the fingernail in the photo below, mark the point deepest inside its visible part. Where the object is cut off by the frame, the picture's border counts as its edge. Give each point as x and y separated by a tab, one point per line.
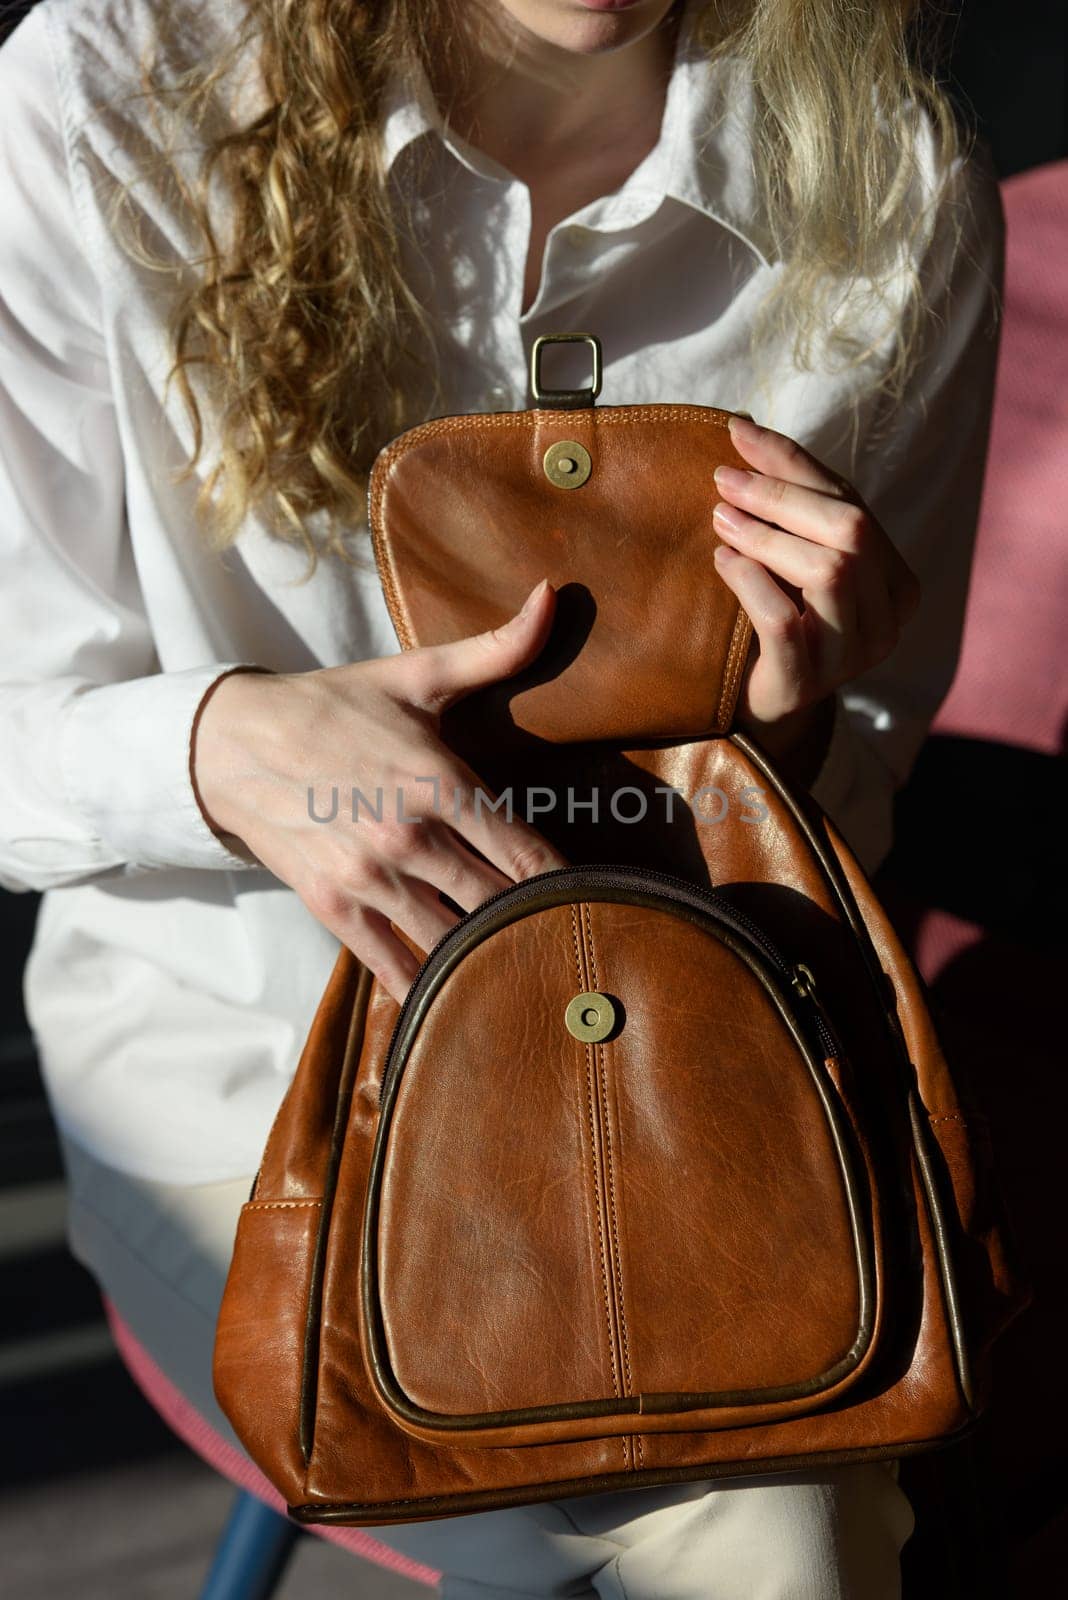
724	517
733	477
723	555
744	426
532	598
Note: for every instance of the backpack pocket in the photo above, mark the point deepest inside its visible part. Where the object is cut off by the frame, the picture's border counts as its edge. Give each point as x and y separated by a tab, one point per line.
615	1185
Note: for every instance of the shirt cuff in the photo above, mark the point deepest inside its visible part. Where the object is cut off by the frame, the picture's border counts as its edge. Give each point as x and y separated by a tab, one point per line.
124	751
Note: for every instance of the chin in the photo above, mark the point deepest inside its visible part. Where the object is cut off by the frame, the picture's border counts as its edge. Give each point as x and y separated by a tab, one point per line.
581	29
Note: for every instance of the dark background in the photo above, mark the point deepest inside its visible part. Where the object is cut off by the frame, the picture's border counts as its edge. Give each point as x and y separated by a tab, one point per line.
77	1431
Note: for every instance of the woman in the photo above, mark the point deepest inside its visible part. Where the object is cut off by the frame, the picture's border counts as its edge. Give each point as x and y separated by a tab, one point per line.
326	219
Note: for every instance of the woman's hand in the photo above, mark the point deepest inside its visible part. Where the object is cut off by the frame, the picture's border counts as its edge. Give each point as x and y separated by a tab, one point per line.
266	744
827	592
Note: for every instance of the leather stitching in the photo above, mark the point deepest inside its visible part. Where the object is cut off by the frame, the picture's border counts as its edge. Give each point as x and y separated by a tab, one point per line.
278	1205
610	1181
733	671
384	559
604	417
654	1477
609	1176
593	1158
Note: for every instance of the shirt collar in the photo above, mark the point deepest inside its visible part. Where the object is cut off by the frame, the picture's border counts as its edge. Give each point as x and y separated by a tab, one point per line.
703	157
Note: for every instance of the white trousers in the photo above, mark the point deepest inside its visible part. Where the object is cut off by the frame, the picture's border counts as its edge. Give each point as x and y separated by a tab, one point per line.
161	1252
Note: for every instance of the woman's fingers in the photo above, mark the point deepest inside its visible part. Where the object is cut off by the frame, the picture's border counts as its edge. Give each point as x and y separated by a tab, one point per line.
452	869
436	675
434	678
879	619
781	679
366	931
831	512
837	535
454	808
810	530
813	513
492	825
783	457
404	866
398	871
370	904
422	827
825	576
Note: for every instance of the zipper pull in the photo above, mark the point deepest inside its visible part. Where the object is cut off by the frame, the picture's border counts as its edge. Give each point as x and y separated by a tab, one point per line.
803	981
804	984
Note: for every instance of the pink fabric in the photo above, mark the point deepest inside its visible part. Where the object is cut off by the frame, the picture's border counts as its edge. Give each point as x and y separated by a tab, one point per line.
940	939
1012	683
201	1437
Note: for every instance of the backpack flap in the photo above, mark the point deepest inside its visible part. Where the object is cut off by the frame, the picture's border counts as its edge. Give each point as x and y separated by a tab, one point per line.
613	504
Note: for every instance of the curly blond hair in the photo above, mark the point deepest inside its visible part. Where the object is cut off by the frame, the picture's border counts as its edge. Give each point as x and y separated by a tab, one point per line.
298	328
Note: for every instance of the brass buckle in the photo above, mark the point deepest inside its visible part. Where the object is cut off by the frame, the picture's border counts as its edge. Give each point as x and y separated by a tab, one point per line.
564	399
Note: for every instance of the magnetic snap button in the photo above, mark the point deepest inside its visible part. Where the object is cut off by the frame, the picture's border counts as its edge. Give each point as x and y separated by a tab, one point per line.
590	1017
567	464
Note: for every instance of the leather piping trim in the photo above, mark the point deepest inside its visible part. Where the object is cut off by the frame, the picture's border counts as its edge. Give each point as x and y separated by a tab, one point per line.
309	1377
880	981
936	1216
732	672
370	1513
394	1398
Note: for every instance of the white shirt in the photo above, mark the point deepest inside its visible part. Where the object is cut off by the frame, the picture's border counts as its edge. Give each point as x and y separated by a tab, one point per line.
171	985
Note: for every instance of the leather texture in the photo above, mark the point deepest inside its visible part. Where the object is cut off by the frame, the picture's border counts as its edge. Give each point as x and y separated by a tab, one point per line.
751	1229
649	644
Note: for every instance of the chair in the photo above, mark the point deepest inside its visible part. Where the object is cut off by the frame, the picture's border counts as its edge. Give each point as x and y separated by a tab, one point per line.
258	1539
252	1554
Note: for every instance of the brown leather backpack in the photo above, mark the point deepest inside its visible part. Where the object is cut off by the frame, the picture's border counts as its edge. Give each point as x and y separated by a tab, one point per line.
659	1173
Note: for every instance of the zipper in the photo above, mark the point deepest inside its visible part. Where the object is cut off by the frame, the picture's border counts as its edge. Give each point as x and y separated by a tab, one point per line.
798	977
